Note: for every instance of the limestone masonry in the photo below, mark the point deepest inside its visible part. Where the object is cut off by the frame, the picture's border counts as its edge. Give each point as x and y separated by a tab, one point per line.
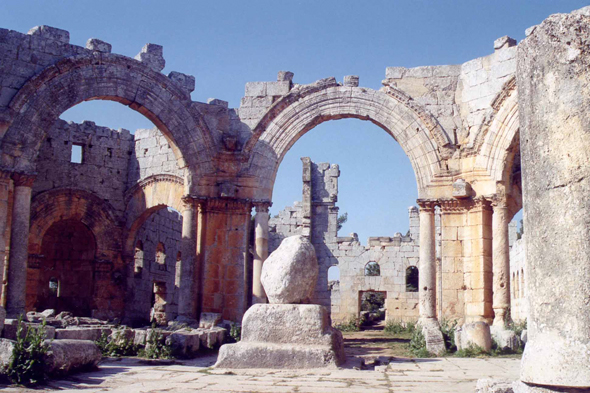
171	224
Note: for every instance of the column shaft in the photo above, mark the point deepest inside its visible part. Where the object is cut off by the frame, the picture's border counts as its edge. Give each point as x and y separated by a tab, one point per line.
188	283
427	273
4	186
501	265
260	251
19	244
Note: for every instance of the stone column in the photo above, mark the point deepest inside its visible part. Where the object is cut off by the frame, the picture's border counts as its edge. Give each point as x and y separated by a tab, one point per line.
554	107
260	250
4	186
427	279
19	245
188	281
500	263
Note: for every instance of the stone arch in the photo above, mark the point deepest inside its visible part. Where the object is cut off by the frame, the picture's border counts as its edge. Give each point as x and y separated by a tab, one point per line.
149	195
102	76
425	142
73	204
498	147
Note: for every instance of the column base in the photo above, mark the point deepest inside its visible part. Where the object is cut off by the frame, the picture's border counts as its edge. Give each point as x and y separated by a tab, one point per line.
551	360
435	342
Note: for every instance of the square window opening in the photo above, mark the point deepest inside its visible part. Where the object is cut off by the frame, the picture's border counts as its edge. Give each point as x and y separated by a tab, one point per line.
77	154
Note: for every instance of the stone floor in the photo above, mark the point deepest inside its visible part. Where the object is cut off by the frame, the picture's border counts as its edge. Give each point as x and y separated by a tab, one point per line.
402	375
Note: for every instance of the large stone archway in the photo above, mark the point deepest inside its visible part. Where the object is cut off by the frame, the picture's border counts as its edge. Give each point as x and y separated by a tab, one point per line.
102	76
425	142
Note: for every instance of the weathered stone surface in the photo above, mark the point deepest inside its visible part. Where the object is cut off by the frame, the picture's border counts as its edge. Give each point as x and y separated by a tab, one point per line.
66	356
186	81
504	42
435	342
184	343
524	336
290	273
284	336
493	386
98	45
351	80
474	334
11	325
521	387
553	77
51	33
153	56
209	320
461	189
80	333
6	348
505	339
285	76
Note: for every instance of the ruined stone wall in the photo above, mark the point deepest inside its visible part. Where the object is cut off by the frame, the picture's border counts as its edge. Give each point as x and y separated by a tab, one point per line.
518	300
152	272
393	254
105	157
460	96
152	156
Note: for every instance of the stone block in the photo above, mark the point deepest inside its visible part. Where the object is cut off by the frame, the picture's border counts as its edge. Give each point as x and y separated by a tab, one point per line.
351	80
209	320
295	336
10	326
505	339
504	42
285	76
98	45
184	343
51	33
278	88
152	55
255	89
395	72
6	348
66	356
187	82
474	334
218	102
2	318
80	333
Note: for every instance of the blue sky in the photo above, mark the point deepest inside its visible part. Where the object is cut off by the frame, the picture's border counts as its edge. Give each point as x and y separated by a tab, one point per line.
225	44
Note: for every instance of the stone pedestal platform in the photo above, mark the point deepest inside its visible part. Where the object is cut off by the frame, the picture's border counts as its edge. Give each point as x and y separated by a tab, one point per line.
287	336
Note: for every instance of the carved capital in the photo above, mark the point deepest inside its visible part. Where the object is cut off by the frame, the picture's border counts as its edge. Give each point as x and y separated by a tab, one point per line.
5	176
498	201
427	205
482	202
23	179
262	206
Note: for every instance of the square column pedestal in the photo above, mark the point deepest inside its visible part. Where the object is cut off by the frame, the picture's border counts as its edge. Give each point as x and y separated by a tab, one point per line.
287	336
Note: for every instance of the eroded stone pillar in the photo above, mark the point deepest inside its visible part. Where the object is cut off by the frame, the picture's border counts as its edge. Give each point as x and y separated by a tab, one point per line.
260	250
553	78
427	279
19	245
501	263
188	280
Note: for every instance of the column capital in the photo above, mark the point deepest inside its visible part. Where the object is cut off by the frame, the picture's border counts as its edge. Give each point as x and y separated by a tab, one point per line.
427	205
5	175
23	179
262	206
498	201
482	202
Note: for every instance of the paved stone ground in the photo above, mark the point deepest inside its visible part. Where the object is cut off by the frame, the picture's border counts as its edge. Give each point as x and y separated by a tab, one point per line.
439	375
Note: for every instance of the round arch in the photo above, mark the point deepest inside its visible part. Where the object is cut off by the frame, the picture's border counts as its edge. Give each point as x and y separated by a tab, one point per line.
146	197
72	204
102	76
421	137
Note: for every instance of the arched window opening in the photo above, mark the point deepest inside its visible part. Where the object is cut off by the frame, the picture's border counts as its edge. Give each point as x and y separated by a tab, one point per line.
372	269
333	278
412	276
161	256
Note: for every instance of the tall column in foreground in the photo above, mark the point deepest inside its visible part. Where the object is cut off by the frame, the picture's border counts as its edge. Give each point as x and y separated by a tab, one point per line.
427	279
19	245
553	78
500	263
187	304
260	250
